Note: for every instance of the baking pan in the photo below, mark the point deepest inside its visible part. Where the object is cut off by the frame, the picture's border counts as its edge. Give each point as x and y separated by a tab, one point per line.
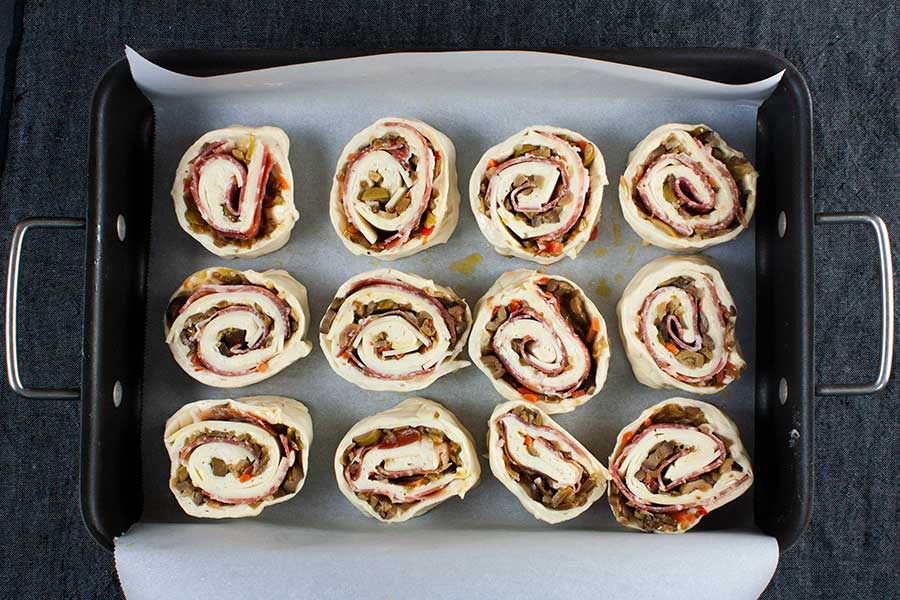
118	232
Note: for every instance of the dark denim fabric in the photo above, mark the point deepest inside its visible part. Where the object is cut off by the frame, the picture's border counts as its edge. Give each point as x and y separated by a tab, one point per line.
846	50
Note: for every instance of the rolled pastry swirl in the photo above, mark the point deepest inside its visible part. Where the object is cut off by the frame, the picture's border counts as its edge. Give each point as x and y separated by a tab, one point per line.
232	458
537	194
677	321
550	472
234	191
678	461
394	191
686	189
403	462
388	330
230	328
540	339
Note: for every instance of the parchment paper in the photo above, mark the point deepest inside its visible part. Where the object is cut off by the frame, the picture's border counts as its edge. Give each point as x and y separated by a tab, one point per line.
477	99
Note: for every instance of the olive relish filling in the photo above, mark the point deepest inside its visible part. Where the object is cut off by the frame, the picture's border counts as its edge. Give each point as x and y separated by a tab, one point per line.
738	167
669	414
537	486
243	470
380	199
381	504
525	185
273	197
572	308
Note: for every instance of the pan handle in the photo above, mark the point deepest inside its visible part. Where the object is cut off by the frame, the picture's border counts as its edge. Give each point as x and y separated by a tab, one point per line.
12	290
887	305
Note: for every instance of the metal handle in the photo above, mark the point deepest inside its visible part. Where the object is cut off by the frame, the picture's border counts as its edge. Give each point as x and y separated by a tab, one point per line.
887	305
12	291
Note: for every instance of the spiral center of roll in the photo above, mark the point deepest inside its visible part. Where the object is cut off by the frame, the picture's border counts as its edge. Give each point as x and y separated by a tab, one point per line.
683	329
233	462
228	186
541	353
688	189
221	181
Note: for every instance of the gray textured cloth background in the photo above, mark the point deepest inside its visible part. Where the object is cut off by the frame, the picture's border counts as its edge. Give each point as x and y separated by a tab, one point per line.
846	50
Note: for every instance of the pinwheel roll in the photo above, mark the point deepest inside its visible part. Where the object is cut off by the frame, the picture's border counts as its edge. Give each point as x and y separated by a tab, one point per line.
234	191
388	330
230	328
232	458
678	461
540	339
537	195
686	189
403	462
677	322
550	472
395	191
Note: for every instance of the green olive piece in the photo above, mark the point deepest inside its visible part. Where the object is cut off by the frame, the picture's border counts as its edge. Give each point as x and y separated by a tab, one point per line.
378	194
430	219
525	149
385	304
368	439
691	358
739	167
218	466
588	157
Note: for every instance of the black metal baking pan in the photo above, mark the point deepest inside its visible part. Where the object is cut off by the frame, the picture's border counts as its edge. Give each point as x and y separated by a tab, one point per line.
118	229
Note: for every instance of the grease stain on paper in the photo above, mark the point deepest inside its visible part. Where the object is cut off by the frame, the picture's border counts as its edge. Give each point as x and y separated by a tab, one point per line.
617	234
602	288
600	251
466	266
